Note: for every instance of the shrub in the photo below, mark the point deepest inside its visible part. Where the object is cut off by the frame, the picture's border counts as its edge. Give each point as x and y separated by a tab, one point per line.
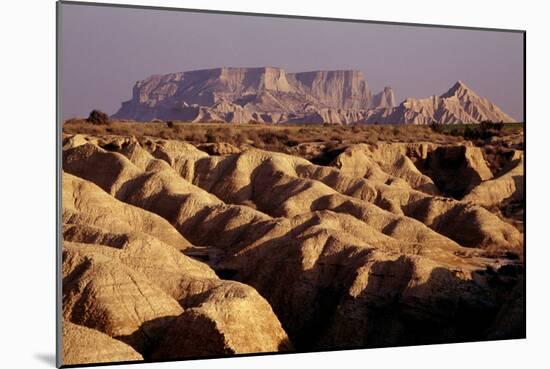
254	139
489	129
487	126
272	138
454	132
482	131
210	136
437	127
240	139
98	117
291	143
73	121
372	138
170	124
194	137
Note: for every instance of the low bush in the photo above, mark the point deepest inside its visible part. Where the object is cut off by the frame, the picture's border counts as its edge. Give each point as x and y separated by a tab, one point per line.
98	117
211	137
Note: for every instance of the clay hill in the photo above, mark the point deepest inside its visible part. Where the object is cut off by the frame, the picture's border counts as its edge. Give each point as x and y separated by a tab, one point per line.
173	251
458	105
270	95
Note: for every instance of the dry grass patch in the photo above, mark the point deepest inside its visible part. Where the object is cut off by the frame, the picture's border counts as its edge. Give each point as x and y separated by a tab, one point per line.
263	136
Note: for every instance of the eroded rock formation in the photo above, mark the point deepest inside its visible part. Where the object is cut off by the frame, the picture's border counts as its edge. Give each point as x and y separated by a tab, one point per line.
243	95
459	104
180	251
270	95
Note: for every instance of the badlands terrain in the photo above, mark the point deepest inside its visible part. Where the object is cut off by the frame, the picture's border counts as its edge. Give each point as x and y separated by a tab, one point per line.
189	241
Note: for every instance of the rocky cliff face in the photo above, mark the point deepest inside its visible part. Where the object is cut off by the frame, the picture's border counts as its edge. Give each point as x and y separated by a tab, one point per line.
384	99
270	95
346	89
203	87
459	104
266	94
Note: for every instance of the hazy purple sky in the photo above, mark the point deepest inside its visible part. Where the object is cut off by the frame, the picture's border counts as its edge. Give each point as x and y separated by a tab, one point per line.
105	50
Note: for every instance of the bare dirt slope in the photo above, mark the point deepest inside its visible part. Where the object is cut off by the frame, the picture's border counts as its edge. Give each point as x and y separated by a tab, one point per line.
176	250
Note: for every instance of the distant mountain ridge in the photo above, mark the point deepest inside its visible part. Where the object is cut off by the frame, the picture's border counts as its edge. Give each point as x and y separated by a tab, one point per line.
270	95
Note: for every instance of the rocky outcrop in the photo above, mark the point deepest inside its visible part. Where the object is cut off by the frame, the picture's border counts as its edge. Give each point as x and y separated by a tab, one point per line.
458	105
219	148
206	329
456	169
509	186
82	345
344	89
244	95
388	164
102	293
384	99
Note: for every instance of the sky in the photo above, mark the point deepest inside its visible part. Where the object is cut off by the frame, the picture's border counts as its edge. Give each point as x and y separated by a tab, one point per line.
105	50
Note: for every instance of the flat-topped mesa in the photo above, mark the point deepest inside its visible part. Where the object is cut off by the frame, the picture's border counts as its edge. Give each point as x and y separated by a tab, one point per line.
207	86
261	90
345	89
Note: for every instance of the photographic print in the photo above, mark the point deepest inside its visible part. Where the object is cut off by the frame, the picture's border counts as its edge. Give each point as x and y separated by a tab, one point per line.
236	184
